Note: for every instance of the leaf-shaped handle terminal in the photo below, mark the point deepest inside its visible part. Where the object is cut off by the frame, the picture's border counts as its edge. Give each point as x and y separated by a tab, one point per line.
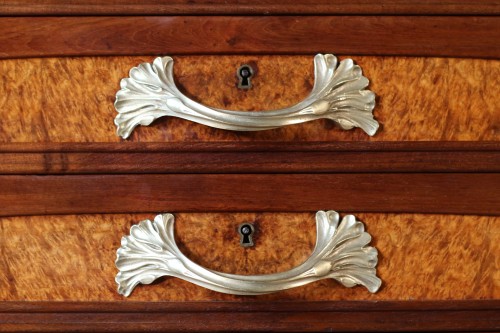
341	253
338	94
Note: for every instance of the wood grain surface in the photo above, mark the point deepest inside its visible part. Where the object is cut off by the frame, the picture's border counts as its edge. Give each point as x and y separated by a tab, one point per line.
451	36
254	7
422	257
249	157
345	316
445	193
71	99
58	154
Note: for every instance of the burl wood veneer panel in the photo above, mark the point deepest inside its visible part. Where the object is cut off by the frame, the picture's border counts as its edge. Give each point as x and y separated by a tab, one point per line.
71	99
421	257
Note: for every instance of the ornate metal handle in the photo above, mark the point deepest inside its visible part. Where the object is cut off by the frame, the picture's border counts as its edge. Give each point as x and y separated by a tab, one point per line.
341	253
338	94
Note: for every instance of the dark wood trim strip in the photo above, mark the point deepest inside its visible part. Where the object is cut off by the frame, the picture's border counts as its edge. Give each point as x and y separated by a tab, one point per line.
248	146
461	321
249	7
249	157
437	36
248	162
440	193
300	316
245	306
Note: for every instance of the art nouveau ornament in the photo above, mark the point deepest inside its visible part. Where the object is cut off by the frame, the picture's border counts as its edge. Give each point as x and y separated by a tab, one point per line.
338	94
341	253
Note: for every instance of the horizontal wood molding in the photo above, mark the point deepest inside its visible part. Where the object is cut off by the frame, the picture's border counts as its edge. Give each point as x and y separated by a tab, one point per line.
250	316
248	146
245	7
452	36
454	193
245	306
246	157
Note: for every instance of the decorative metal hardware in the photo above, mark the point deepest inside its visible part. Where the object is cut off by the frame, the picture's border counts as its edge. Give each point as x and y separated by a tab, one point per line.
341	253
246	231
338	94
244	74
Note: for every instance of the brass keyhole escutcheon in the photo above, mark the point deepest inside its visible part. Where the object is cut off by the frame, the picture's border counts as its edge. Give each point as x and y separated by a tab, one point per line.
244	73
246	231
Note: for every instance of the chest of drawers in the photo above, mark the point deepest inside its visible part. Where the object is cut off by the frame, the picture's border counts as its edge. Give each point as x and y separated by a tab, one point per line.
426	185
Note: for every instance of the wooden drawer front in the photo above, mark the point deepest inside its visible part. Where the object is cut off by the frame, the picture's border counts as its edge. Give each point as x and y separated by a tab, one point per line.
419	99
422	257
426	185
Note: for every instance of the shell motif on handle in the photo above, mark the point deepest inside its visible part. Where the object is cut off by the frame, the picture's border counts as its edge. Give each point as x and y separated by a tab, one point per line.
338	94
341	253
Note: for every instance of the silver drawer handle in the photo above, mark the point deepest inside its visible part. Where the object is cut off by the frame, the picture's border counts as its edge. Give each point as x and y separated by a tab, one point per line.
341	253
338	94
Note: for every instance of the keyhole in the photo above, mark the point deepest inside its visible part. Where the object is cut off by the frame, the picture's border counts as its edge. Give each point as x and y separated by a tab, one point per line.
246	230
244	73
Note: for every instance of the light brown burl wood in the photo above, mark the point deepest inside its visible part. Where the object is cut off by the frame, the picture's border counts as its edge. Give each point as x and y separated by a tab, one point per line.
421	257
71	99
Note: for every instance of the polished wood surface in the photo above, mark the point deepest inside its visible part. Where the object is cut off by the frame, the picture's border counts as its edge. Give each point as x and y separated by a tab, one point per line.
459	193
71	99
59	154
451	36
345	316
250	146
249	157
421	257
238	7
